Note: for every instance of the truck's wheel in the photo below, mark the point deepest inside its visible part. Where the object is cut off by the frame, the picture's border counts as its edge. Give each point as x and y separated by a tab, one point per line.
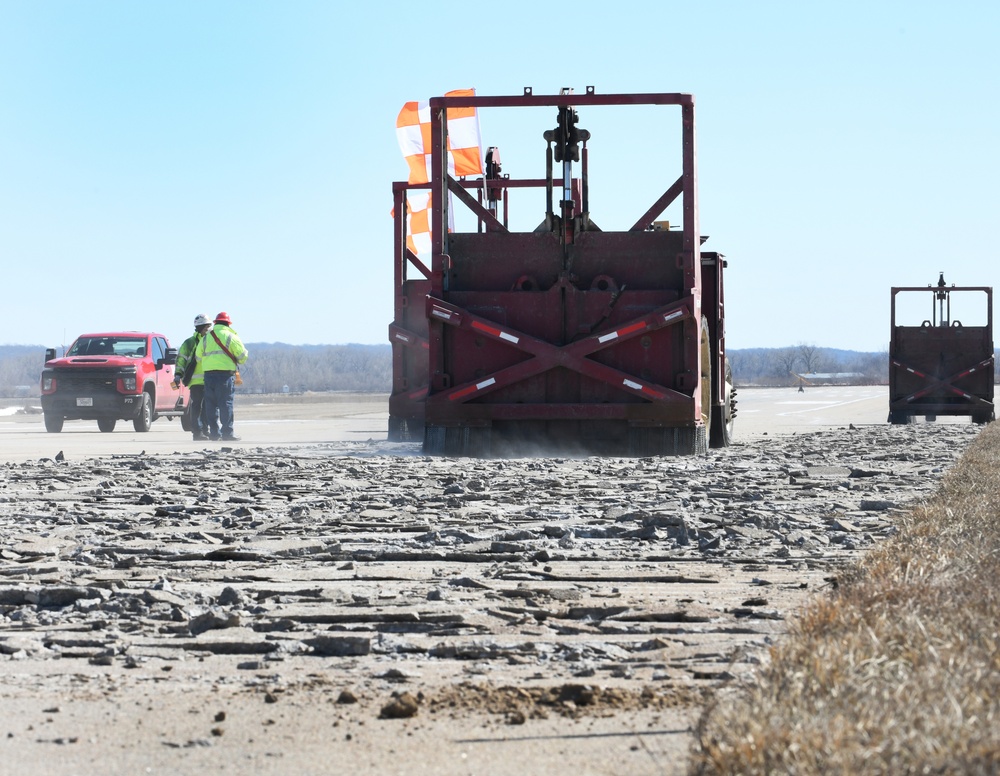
706	375
53	423
981	417
722	422
144	420
107	425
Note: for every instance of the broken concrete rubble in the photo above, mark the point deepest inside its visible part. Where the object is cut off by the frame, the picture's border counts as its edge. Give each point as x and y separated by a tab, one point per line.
409	588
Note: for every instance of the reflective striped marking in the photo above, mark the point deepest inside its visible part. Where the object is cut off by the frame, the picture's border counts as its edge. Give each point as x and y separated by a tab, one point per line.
472	389
670	316
499	333
644	388
621	332
441	313
403	338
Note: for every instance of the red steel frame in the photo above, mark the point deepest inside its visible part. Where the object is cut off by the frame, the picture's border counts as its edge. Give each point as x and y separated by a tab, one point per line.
941	367
472	351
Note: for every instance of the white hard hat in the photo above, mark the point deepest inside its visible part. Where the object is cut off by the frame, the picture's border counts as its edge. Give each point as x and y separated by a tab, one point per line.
201	320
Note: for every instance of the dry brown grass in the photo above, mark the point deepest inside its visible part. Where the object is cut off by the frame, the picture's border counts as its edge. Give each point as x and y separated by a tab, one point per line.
898	670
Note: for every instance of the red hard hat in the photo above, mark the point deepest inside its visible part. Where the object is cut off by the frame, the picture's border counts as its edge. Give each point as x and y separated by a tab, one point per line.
223	318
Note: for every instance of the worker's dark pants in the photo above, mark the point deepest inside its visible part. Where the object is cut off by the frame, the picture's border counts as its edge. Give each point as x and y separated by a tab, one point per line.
220	387
196	402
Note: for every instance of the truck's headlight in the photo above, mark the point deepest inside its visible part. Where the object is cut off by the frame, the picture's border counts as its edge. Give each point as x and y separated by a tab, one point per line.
128	383
48	384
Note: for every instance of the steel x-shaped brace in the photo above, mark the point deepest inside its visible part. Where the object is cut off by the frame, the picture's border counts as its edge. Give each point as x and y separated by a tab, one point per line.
572	356
935	382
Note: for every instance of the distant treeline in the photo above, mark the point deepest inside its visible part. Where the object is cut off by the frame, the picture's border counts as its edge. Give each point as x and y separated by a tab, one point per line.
779	366
21	369
276	367
272	368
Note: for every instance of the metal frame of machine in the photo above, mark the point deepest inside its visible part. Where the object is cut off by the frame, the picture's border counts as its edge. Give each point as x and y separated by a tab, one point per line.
941	367
566	337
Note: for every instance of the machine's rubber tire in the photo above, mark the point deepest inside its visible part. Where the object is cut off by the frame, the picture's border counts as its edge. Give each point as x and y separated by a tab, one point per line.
706	375
53	423
898	418
982	417
107	425
721	434
144	420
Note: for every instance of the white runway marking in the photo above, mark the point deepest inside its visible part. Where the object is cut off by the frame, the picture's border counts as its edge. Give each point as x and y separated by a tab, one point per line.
830	405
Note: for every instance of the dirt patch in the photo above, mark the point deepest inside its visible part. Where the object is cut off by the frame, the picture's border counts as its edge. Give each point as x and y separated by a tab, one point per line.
517	704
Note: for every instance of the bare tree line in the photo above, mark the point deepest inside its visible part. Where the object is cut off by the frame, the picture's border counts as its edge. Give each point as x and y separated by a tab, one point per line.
277	368
781	366
20	370
296	368
272	368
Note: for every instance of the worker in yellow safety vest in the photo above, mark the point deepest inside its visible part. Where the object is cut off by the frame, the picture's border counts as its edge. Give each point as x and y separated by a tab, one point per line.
189	373
221	353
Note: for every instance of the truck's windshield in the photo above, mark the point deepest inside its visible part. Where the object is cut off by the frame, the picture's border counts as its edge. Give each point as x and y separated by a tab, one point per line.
109	346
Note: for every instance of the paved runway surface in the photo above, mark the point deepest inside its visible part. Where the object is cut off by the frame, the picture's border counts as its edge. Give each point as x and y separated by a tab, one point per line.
203	608
333	418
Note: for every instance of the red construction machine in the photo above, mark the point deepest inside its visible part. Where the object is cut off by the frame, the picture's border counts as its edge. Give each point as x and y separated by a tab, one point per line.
567	337
941	366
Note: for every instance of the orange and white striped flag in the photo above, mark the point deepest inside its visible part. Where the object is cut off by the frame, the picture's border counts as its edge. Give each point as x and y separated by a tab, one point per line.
465	157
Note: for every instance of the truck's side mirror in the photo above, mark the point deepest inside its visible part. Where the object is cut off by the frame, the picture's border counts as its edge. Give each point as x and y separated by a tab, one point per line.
50	353
169	357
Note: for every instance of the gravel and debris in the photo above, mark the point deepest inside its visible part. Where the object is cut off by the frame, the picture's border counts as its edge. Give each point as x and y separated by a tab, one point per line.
397	585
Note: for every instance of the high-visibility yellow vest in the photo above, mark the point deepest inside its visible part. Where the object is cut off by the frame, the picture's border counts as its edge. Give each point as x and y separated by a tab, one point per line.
213	358
186	352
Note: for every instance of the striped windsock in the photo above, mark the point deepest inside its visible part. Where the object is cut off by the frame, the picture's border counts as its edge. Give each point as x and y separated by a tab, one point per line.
413	130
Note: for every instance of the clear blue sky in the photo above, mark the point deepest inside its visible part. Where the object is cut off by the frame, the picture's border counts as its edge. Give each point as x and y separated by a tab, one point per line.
160	159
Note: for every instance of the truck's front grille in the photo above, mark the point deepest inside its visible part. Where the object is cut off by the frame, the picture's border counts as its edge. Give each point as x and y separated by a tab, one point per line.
85	383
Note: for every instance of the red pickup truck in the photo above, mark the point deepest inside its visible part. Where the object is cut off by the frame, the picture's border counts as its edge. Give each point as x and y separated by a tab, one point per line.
112	376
